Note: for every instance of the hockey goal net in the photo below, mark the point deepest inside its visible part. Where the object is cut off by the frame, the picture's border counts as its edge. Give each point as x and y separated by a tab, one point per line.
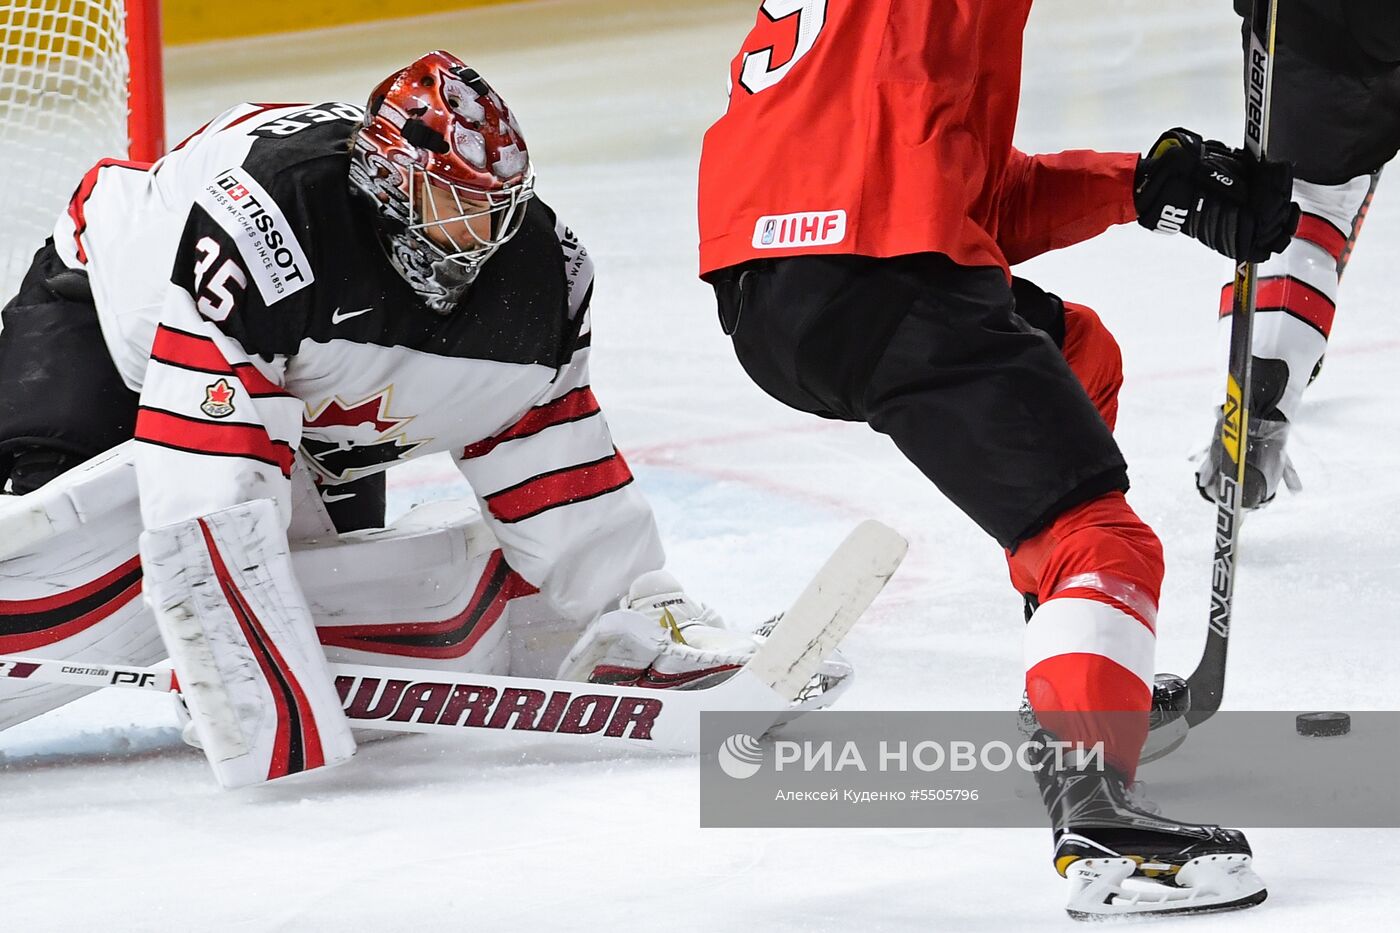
80	80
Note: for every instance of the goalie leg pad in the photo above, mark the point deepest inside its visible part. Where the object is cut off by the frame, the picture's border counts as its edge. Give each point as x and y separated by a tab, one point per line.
239	633
432	591
71	590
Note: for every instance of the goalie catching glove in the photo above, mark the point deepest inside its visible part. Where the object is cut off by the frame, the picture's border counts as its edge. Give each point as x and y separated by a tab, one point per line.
661	637
1223	197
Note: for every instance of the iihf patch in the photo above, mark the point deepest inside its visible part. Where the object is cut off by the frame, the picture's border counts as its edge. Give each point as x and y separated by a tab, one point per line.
218	400
801	230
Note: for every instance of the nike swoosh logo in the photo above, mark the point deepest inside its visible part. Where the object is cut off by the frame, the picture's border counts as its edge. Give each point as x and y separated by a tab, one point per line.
332	497
337	317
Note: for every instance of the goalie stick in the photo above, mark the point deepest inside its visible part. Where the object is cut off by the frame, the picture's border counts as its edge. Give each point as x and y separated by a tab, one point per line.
438	702
1207	682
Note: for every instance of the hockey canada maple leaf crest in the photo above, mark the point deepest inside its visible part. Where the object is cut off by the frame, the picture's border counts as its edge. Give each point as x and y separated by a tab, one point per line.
346	440
218	400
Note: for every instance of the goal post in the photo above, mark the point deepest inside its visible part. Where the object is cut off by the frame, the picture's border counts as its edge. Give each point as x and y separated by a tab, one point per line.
80	80
145	86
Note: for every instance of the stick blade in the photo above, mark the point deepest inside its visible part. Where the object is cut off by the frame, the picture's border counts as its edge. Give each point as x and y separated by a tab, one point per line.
826	610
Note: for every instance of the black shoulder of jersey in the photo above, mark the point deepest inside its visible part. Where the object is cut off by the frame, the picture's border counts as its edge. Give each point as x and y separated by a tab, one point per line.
308	262
254	242
517	310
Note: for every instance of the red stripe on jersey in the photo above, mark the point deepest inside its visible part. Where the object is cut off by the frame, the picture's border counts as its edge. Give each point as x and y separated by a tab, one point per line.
1321	233
213	438
297	742
1291	296
573	406
189	350
258	385
559	487
78	203
194	351
449	638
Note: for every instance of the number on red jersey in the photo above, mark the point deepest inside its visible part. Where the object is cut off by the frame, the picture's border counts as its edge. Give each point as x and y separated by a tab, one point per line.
758	72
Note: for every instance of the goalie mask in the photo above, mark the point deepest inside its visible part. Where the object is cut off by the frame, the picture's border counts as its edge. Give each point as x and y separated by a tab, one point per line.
444	164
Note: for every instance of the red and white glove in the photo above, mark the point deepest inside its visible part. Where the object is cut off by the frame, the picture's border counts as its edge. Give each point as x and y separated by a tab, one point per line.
658	637
661	637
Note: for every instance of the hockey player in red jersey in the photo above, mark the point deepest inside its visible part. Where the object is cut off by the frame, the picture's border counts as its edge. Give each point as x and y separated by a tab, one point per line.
860	205
1335	115
320	292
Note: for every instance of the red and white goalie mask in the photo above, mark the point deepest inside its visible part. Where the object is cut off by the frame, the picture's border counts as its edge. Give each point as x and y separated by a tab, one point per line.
444	162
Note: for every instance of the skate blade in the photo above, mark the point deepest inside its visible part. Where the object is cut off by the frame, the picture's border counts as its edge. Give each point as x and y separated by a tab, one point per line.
1164	740
1111	888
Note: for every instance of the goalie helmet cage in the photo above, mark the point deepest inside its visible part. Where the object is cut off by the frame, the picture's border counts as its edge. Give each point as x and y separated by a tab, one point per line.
80	80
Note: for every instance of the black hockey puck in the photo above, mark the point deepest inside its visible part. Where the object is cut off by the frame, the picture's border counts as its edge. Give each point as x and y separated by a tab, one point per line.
1323	723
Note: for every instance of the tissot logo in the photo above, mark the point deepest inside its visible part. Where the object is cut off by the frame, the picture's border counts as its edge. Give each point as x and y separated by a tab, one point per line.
795	231
265	240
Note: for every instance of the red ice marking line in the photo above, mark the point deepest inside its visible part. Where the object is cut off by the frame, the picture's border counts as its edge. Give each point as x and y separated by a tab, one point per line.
657	454
830	503
900	581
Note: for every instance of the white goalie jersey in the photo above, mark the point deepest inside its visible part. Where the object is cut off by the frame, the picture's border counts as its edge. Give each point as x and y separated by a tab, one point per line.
244	293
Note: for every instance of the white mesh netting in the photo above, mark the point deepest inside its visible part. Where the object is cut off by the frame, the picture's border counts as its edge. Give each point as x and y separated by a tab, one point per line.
63	106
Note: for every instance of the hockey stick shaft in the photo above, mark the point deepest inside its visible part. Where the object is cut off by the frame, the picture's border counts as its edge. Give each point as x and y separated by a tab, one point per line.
86	674
1207	682
401	699
443	702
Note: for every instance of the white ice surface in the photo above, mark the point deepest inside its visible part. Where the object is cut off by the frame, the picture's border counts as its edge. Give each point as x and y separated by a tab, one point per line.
109	823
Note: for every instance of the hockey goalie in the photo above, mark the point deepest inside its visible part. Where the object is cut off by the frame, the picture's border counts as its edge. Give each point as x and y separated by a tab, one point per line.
211	364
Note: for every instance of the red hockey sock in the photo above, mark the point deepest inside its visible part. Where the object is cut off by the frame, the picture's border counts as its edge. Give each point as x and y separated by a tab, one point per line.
1097	573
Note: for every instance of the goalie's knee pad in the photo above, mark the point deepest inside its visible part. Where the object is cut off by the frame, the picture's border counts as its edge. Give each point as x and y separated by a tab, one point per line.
71	584
433	590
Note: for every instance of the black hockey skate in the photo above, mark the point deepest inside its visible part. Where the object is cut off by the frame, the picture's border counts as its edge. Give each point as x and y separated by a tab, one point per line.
1123	860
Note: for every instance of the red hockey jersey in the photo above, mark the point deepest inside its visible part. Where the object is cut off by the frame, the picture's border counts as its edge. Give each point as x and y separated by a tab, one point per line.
884	127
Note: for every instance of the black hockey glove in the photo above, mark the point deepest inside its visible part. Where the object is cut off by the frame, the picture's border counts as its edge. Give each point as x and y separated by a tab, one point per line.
1218	195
